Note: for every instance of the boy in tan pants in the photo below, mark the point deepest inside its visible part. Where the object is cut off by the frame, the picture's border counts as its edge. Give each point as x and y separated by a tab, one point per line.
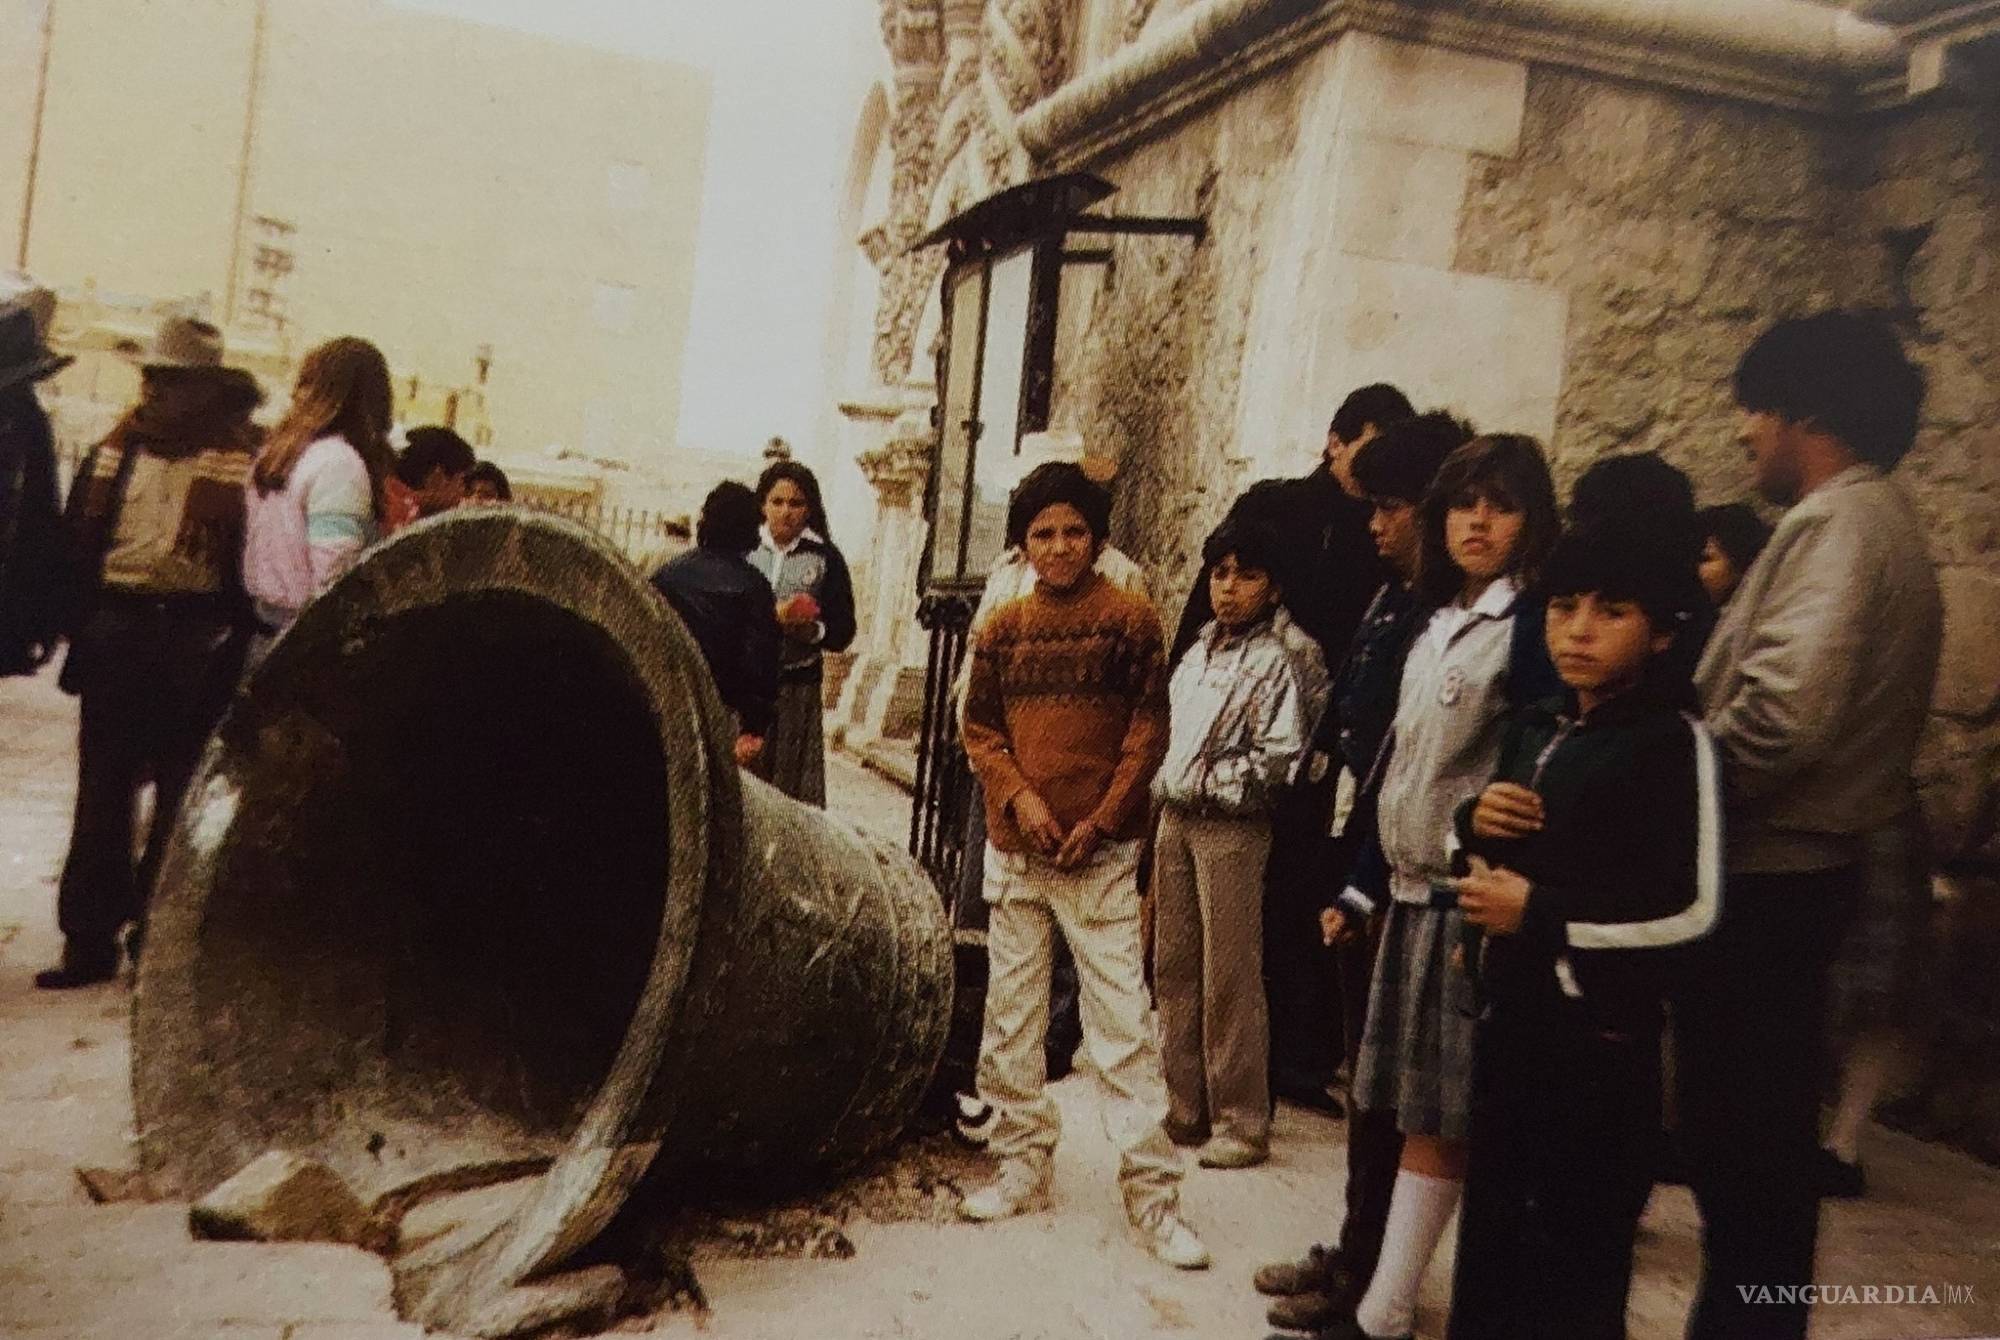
1244	701
1065	724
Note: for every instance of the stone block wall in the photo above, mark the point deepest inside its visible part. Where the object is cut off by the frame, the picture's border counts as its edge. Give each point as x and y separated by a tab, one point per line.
1621	250
1678	228
1929	219
1158	378
1681	227
1928	225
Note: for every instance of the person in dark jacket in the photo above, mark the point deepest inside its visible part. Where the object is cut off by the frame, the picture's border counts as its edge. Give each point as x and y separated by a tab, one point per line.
429	478
1334	574
815	611
1593	857
486	484
31	543
727	604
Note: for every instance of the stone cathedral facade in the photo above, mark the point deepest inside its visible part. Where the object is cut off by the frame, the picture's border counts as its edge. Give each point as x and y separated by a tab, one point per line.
1559	217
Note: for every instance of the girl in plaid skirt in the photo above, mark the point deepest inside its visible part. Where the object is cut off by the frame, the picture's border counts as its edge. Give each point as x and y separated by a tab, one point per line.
1487	522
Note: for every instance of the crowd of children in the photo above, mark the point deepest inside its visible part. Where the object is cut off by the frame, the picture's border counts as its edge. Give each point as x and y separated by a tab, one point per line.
1542	868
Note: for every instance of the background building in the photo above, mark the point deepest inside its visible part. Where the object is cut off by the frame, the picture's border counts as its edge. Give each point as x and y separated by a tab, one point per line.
453	191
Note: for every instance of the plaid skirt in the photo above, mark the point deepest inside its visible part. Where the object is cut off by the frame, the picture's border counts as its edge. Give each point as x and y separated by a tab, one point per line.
794	757
1416	1047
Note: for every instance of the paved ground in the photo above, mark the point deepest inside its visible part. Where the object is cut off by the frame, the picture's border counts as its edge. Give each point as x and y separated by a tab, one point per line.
69	1269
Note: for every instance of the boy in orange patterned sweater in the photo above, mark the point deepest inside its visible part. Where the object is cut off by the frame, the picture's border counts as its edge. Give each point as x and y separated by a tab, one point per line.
1065	722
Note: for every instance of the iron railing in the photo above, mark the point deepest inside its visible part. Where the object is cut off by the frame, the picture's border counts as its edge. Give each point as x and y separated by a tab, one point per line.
944	781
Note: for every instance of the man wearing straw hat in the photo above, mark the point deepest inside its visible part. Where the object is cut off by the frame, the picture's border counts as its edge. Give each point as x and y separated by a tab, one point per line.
31	546
155	521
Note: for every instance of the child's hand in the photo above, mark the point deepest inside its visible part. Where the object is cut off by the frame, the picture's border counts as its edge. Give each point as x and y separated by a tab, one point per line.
1036	821
748	747
1336	927
1079	845
1506	810
1492	897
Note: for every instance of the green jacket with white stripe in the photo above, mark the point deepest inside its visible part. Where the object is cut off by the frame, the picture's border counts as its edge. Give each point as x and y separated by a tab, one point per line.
1627	868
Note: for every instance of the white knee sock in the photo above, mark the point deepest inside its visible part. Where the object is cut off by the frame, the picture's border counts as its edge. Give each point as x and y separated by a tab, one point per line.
1419	1209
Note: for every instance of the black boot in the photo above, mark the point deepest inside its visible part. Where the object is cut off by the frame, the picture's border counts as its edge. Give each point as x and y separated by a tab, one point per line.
80	968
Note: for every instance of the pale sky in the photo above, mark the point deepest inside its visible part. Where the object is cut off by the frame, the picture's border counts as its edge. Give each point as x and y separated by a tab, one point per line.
788	80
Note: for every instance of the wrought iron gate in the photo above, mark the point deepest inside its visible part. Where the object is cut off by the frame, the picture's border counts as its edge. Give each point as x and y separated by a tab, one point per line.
944	783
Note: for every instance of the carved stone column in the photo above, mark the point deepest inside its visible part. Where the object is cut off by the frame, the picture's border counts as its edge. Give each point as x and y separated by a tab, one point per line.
883	697
898	469
914	31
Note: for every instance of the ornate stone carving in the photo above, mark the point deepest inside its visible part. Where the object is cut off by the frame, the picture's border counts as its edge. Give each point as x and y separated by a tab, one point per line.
906	279
1026	49
965	70
917	32
912	30
1136	14
899	468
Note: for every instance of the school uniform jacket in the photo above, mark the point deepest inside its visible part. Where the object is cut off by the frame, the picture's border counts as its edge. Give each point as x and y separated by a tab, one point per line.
813	567
1456	682
1627	867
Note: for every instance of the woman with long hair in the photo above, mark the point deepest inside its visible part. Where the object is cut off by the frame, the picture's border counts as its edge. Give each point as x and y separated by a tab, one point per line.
315	494
816	614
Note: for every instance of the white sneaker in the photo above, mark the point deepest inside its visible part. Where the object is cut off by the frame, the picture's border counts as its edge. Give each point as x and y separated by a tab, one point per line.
1168	1237
1018	1189
1228	1151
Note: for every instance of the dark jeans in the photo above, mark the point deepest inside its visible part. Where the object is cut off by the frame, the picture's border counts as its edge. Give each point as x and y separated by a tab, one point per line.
153	677
1558	1171
1374	1142
1299	979
1374	1152
1750	1047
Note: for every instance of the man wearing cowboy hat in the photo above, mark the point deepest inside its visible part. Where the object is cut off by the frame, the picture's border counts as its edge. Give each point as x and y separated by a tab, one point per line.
155	521
31	546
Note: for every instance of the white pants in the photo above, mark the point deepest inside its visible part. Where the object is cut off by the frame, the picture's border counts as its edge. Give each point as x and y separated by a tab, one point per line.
1097	908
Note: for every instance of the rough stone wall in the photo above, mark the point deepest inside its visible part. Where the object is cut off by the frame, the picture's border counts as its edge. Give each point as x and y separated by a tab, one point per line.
1679	228
1929	213
1928	218
1157	379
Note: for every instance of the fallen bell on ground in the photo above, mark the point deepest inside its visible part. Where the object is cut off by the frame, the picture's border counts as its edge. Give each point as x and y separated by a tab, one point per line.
469	884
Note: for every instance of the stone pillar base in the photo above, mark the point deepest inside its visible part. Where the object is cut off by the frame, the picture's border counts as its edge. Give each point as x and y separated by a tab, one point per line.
879	700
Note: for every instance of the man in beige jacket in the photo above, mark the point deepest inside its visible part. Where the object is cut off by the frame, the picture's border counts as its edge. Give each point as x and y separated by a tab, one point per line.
1815	685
